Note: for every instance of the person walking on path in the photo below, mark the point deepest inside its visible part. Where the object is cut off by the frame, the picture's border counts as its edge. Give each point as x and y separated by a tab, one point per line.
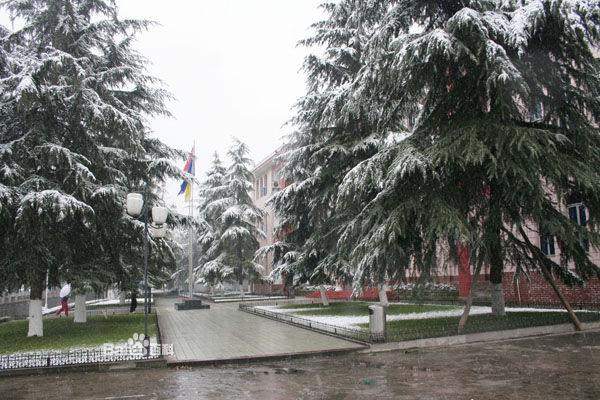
64	306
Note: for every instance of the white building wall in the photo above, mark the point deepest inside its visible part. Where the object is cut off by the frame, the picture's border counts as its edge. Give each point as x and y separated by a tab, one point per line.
266	182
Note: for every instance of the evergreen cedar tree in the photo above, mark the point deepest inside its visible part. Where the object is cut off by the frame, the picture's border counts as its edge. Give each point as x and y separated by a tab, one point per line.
427	125
230	218
210	209
74	140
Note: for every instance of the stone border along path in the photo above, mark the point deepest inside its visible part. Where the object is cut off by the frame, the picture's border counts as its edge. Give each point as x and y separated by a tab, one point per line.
495	336
225	334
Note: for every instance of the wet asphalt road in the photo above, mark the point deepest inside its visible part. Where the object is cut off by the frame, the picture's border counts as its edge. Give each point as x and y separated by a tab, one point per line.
560	367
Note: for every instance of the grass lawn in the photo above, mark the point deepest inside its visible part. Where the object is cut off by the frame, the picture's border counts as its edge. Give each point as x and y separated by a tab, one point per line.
437	327
63	333
362	308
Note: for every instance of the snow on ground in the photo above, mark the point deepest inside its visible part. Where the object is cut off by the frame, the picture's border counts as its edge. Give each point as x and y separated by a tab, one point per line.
116	302
352	321
246	298
102	302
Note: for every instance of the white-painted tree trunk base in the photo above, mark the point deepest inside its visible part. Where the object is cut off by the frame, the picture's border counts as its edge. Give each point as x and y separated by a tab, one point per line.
324	299
498	308
36	324
122	297
112	294
80	309
383	300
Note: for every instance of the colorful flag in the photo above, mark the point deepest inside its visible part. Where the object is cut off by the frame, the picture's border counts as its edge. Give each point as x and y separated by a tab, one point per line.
190	168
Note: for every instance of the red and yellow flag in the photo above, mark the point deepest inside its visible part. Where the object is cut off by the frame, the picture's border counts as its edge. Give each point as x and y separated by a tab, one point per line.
190	168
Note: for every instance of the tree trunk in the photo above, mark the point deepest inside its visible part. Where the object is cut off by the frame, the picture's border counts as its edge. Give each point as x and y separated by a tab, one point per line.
122	297
383	300
324	299
576	323
80	309
36	323
548	276
498	308
133	304
495	253
469	303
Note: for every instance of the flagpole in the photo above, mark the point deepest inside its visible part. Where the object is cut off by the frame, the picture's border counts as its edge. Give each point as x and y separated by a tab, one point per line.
191	213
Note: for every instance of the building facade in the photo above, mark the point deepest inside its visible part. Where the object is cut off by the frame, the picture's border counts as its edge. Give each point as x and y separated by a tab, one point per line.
532	289
267	181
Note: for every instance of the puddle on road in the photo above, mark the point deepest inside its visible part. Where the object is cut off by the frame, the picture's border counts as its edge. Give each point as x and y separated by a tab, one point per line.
528	369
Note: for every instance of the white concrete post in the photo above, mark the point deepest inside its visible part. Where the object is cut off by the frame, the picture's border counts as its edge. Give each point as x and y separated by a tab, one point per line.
377	322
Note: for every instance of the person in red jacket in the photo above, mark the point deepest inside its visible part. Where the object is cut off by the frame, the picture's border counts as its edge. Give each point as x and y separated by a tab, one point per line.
64	306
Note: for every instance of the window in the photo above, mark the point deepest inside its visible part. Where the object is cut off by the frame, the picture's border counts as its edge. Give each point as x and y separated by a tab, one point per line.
263	185
262	225
578	213
537	113
547	245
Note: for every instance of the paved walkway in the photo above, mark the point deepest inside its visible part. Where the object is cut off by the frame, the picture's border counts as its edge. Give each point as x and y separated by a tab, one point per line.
226	333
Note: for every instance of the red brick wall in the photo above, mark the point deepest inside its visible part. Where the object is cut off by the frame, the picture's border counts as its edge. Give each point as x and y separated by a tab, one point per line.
537	291
267	289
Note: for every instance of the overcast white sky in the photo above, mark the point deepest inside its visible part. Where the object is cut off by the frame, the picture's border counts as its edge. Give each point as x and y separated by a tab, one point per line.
233	66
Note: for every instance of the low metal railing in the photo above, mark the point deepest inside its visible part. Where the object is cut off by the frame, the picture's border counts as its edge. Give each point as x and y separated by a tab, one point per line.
54	358
73	357
349	333
425	328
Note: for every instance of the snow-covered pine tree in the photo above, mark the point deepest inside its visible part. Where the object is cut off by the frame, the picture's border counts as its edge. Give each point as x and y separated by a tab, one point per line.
234	241
73	141
8	196
181	249
214	193
335	132
506	136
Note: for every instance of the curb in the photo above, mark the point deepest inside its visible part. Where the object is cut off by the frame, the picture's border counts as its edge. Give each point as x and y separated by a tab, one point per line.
447	341
265	358
98	367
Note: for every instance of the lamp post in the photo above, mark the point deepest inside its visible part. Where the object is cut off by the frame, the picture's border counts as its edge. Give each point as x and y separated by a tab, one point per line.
137	207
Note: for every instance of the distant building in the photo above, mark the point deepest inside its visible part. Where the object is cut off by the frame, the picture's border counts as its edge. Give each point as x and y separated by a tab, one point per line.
267	180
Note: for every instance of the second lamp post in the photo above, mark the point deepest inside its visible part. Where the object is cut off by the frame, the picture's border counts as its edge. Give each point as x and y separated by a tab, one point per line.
138	207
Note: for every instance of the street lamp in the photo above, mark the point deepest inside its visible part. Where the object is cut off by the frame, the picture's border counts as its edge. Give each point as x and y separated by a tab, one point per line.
137	207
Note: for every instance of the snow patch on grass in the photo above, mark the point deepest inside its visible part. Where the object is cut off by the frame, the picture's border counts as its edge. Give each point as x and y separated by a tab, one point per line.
352	321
